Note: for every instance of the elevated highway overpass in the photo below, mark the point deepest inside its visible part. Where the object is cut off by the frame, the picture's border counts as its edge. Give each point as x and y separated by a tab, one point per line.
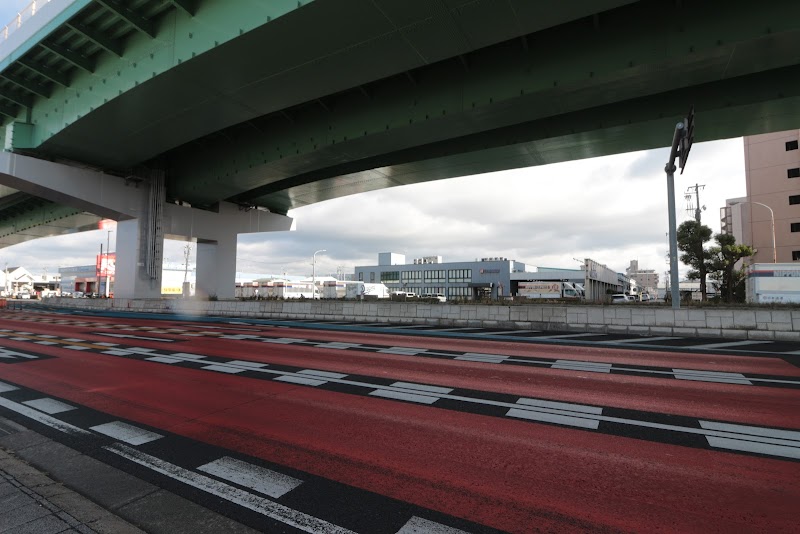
202	119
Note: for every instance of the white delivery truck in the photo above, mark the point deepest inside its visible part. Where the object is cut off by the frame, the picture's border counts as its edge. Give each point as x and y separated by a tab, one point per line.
773	283
365	290
547	290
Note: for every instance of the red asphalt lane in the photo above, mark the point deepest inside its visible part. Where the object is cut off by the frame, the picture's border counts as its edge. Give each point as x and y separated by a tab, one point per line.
726	402
513	475
663	358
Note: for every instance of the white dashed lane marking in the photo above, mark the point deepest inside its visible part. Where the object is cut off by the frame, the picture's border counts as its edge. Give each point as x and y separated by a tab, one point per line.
729	344
408	351
408	391
557	412
484	358
711	376
130	434
567	336
418	525
278	512
260	479
644	339
49	406
769	441
572	365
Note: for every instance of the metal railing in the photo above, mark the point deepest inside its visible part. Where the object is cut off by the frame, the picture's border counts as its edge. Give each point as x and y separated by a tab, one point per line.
26	13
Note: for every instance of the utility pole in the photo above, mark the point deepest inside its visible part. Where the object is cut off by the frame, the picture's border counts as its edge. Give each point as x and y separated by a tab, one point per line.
99	270
108	251
187	250
688	197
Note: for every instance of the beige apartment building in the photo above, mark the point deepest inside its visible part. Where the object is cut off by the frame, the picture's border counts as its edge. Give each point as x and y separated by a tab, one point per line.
772	174
646	279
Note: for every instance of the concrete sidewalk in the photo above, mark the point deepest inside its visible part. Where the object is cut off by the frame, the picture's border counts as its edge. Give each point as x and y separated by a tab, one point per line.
32	502
48	488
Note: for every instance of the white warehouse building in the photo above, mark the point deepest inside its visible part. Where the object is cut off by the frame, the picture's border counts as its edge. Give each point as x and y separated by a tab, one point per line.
484	278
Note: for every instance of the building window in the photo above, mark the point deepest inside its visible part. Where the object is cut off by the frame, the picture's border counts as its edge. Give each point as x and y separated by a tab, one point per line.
796	227
793	173
371	278
410	277
390	276
791	145
435	276
459	292
794	199
360	277
459	275
795	255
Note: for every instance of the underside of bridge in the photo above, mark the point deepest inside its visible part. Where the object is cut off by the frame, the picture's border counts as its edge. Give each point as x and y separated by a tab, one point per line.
278	105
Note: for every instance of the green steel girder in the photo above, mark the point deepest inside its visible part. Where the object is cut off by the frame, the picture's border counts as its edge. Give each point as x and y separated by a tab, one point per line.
634	125
131	16
8	111
29	85
43	221
73	57
378	93
109	44
569	72
188	6
17	97
168	77
45	71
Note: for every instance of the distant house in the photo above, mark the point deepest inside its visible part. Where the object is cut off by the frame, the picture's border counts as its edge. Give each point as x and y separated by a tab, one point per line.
15	280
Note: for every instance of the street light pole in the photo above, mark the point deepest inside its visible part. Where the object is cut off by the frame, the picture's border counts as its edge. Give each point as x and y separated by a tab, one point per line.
108	251
772	217
670	169
314	273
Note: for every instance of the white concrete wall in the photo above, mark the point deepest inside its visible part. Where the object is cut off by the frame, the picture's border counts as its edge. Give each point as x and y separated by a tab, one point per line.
738	323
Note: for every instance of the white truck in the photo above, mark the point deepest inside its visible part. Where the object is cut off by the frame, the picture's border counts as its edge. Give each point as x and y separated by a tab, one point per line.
773	283
547	290
365	290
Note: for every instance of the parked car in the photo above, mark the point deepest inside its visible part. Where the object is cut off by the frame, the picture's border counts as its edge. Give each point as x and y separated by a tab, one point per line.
403	295
622	298
434	296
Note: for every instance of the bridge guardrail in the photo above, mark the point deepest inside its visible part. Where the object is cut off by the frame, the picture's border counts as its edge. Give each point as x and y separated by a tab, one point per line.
26	13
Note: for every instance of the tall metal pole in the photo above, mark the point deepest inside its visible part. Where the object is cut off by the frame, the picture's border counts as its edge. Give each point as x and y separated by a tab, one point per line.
108	250
314	274
772	217
100	270
673	232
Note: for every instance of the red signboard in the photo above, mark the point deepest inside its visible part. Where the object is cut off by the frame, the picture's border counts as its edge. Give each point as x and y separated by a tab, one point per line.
106	264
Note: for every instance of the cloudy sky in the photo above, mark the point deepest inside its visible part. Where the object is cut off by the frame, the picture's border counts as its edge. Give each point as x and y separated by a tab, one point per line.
611	209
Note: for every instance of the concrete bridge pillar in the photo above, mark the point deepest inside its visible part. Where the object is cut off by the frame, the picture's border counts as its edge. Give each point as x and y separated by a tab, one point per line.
216	268
144	220
216	233
131	279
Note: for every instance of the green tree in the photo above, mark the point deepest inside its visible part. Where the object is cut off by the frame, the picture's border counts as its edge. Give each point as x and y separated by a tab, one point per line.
692	237
723	260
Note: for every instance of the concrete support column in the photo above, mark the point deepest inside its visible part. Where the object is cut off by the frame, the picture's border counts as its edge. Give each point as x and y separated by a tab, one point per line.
216	268
131	279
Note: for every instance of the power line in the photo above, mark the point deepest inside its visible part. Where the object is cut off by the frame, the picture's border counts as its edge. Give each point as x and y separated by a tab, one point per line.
688	196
